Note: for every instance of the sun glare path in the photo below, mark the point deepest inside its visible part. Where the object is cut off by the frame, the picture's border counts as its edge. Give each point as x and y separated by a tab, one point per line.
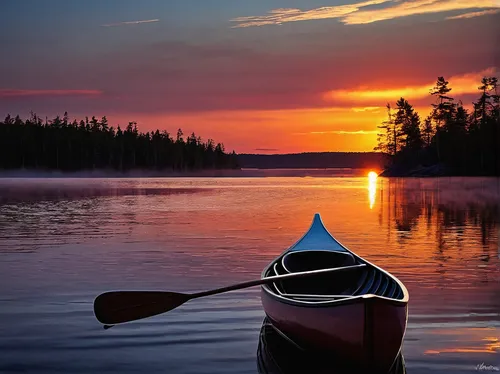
372	187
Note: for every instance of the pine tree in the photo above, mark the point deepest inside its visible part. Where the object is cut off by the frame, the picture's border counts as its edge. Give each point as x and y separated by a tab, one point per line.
484	103
390	134
383	136
427	131
442	109
408	121
444	106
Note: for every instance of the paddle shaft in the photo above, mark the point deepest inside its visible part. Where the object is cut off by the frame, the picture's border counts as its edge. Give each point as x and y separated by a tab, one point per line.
115	307
271	280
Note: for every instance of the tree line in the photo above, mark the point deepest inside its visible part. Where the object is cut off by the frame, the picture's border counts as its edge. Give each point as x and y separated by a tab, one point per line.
463	142
61	144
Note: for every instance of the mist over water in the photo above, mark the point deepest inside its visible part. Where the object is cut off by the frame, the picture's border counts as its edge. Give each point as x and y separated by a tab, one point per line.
207	173
63	241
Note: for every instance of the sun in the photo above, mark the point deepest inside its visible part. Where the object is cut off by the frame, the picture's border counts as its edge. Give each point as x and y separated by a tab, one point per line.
372	176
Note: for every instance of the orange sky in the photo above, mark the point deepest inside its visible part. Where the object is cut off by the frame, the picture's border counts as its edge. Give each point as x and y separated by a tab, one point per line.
351	126
257	76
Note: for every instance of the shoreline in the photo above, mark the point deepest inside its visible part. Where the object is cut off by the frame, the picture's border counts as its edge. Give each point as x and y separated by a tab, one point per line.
432	171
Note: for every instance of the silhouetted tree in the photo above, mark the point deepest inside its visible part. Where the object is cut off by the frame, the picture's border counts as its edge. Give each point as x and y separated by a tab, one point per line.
427	131
484	126
443	108
409	122
383	138
92	144
466	143
390	135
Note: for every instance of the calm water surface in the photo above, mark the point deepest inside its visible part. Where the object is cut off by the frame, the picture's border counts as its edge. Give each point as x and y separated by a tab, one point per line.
63	241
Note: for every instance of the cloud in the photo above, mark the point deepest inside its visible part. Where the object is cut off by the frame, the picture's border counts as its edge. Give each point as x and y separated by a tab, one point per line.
372	109
352	14
475	14
130	22
410	8
461	85
267	149
22	93
282	15
237	74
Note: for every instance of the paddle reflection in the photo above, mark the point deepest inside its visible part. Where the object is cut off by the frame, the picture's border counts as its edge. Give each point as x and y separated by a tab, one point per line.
276	354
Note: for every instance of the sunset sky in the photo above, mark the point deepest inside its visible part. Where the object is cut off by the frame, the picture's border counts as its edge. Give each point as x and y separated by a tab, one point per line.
269	76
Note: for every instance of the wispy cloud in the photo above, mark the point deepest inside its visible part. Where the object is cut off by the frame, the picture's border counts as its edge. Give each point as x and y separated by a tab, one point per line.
130	22
20	93
354	14
475	14
411	8
282	15
338	132
372	109
267	149
461	84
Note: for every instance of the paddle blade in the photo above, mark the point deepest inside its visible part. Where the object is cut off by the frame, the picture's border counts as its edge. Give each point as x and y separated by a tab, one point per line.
115	307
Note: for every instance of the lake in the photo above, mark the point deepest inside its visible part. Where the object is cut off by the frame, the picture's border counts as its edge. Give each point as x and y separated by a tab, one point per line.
64	241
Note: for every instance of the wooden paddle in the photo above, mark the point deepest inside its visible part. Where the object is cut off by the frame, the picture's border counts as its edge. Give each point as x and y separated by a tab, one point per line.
115	307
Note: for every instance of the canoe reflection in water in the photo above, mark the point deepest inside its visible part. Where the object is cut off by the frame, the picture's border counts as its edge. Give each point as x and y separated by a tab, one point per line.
276	354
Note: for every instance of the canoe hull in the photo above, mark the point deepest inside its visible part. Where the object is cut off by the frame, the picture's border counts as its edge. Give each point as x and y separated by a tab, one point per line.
368	330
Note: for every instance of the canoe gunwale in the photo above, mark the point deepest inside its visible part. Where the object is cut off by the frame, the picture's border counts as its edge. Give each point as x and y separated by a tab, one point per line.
346	300
333	302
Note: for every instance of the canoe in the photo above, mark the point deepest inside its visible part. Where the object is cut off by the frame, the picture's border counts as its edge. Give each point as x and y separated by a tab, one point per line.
359	313
278	355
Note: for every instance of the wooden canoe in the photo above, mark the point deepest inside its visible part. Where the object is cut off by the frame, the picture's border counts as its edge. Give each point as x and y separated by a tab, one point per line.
359	315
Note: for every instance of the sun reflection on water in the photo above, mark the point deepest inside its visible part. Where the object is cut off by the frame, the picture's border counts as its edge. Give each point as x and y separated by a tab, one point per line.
372	187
